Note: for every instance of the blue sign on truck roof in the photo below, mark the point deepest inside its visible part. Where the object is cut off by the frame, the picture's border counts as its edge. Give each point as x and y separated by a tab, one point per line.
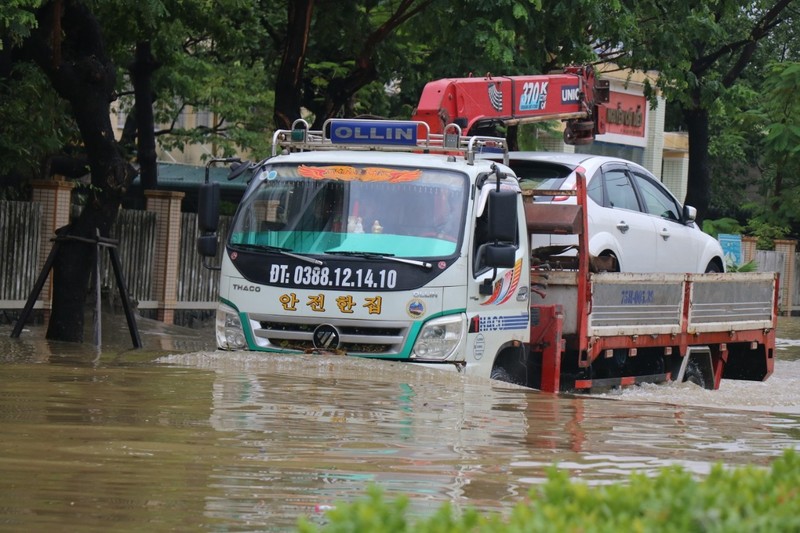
374	132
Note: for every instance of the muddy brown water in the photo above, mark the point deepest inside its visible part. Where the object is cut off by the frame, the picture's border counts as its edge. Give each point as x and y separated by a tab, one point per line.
177	436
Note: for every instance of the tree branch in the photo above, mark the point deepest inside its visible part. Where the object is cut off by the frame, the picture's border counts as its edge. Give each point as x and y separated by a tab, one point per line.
746	46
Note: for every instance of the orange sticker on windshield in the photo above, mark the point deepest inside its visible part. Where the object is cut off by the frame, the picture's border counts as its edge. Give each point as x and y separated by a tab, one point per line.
347	173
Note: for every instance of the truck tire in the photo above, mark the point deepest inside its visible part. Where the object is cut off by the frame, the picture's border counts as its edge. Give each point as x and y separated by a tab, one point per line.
500	373
694	374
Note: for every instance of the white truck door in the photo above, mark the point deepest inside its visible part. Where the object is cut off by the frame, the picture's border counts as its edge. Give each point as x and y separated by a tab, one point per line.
498	308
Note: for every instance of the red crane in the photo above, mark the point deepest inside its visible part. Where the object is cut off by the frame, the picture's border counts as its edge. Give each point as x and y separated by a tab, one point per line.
475	103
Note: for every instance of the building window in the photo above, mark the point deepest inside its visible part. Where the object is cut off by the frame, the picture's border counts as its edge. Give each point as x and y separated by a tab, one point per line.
203	118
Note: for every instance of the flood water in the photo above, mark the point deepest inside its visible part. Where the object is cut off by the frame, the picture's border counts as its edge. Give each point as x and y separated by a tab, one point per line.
177	436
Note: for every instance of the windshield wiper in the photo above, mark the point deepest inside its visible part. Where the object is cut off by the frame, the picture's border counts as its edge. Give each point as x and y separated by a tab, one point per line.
282	251
379	255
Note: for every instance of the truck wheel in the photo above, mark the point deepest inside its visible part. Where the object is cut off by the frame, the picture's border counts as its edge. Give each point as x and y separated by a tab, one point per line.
502	374
694	374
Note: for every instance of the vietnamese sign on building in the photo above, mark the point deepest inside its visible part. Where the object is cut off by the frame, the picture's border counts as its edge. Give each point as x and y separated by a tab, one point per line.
624	114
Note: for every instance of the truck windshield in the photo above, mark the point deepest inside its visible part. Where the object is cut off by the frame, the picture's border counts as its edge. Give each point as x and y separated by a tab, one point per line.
350	209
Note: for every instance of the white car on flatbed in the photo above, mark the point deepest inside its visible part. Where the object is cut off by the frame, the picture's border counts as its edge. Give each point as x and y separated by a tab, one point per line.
632	216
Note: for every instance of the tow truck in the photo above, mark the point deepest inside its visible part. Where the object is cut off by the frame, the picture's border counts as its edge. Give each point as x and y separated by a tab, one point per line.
396	240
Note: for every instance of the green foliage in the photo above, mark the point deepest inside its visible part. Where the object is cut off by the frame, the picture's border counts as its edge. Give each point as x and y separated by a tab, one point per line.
370	514
530	136
205	53
742	499
227	208
782	139
16	20
734	149
702	50
750	266
722	225
499	37
34	122
781	142
766	232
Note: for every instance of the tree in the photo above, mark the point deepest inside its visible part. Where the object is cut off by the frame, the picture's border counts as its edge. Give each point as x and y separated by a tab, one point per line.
351	62
701	50
68	47
780	146
504	37
174	55
31	128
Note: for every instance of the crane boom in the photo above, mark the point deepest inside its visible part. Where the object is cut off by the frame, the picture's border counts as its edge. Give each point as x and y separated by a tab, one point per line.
473	103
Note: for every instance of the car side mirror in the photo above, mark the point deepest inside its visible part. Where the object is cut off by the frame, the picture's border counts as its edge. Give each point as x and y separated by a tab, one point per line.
689	213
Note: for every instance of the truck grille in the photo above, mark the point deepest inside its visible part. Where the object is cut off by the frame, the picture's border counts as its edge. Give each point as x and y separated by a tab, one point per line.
357	338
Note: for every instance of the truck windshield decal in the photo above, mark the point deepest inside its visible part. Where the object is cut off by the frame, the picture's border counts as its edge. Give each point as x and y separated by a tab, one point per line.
349	173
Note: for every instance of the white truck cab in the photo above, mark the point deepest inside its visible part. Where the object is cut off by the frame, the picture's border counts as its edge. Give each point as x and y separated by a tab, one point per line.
376	239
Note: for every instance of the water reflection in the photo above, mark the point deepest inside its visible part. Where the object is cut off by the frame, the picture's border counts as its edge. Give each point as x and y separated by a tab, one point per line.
787	343
208	440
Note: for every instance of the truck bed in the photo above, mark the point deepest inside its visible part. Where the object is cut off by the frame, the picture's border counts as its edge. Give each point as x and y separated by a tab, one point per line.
647	304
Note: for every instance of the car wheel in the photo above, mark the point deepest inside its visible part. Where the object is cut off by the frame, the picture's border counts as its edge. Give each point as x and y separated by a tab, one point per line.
605	262
713	267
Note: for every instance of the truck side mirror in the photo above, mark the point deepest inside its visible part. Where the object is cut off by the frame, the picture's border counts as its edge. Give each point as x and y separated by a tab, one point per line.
502	222
238	168
208	221
207	245
208	208
500	255
500	248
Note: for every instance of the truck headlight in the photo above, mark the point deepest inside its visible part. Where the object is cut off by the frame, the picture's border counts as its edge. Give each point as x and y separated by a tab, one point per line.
230	335
439	338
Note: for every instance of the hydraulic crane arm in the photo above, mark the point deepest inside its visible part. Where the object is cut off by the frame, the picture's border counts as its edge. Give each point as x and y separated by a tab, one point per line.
474	103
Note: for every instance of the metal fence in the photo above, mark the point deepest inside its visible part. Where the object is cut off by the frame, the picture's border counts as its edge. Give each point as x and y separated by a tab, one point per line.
136	233
198	286
20	240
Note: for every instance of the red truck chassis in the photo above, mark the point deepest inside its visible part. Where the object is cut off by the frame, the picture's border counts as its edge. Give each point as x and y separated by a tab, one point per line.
592	330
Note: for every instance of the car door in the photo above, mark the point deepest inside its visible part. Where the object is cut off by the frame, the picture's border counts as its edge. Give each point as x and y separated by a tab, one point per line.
619	220
678	248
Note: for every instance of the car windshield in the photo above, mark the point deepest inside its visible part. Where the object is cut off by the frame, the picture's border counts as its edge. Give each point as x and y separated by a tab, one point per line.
351	209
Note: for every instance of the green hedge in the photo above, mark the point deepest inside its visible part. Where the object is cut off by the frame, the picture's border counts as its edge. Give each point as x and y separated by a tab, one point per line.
744	499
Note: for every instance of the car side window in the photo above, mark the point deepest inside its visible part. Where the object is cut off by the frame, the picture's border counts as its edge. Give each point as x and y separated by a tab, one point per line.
657	201
594	190
621	193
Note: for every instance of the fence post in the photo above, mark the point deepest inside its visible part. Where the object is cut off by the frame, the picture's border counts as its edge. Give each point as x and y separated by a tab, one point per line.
55	197
748	248
787	247
167	206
